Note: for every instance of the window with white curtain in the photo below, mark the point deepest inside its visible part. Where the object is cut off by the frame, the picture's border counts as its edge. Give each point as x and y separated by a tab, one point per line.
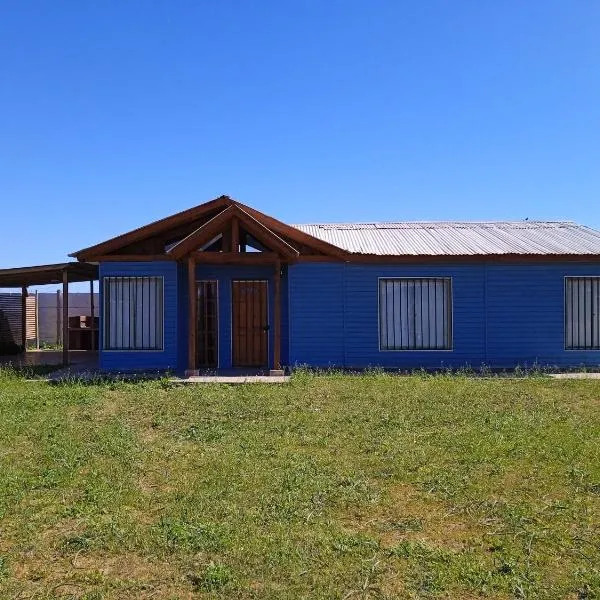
133	313
582	313
415	313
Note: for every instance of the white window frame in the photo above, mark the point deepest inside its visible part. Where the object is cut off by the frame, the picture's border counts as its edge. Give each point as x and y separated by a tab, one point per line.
104	313
568	348
450	347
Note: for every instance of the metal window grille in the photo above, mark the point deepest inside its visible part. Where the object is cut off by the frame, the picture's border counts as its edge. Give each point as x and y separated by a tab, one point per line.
133	313
582	313
415	314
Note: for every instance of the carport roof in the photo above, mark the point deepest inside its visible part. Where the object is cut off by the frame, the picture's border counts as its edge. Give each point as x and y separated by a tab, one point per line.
47	274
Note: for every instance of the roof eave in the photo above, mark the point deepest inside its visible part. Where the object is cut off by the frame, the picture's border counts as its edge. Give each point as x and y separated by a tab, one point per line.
134	235
446	258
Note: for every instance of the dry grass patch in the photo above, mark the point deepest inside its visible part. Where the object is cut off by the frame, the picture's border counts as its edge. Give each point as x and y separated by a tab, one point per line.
407	513
80	574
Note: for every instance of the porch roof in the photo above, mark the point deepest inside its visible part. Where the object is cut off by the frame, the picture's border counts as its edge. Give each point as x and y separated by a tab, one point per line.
47	274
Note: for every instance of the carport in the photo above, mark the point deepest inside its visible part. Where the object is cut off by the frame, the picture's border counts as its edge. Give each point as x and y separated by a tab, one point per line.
62	274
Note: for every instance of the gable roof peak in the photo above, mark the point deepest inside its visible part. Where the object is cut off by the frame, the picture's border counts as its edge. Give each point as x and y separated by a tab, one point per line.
206	210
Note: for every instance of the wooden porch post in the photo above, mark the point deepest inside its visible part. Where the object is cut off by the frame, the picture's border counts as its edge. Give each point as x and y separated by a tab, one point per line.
277	317
65	317
235	235
58	318
93	332
24	317
37	319
192	317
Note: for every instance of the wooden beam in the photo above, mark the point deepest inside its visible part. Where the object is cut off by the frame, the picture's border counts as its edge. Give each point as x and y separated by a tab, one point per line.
58	318
37	320
153	228
383	259
264	235
24	317
93	332
403	259
130	257
222	224
292	233
192	324
319	258
226	239
277	317
65	317
228	258
235	235
202	235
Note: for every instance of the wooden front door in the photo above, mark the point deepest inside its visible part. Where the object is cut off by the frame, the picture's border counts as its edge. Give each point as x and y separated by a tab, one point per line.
250	323
207	313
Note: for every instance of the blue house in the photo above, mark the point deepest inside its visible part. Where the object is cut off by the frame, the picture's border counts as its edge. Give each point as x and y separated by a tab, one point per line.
224	286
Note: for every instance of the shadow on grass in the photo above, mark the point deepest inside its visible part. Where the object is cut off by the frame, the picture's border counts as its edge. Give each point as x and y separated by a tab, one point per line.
519	371
28	371
169	379
97	378
50	373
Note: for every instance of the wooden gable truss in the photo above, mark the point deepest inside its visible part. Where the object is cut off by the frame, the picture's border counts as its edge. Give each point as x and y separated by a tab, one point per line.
221	231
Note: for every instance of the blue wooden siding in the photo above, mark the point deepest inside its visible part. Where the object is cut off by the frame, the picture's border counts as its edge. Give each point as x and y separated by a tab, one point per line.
503	315
183	316
526	315
316	303
131	360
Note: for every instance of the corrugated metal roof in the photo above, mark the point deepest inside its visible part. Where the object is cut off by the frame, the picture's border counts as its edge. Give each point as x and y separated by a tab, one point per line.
447	238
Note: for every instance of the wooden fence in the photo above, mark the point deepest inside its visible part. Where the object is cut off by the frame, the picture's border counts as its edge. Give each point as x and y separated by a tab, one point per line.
43	318
11	323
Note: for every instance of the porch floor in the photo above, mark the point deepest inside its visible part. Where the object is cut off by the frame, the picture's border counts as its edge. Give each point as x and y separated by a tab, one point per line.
234	379
36	358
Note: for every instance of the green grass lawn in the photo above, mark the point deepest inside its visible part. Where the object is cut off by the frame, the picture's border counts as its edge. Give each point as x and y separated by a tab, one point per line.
333	486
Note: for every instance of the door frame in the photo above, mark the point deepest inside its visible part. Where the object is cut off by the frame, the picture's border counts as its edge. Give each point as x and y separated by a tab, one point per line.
267	365
217	320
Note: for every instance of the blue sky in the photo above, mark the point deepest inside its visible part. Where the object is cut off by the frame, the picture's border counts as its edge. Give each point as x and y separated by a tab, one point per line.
113	114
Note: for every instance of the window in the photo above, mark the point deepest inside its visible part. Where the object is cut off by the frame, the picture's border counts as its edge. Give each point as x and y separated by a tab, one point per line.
415	314
207	315
133	313
582	313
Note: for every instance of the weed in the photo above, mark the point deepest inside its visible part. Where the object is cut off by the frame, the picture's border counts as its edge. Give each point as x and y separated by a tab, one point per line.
76	543
212	578
181	535
4	571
